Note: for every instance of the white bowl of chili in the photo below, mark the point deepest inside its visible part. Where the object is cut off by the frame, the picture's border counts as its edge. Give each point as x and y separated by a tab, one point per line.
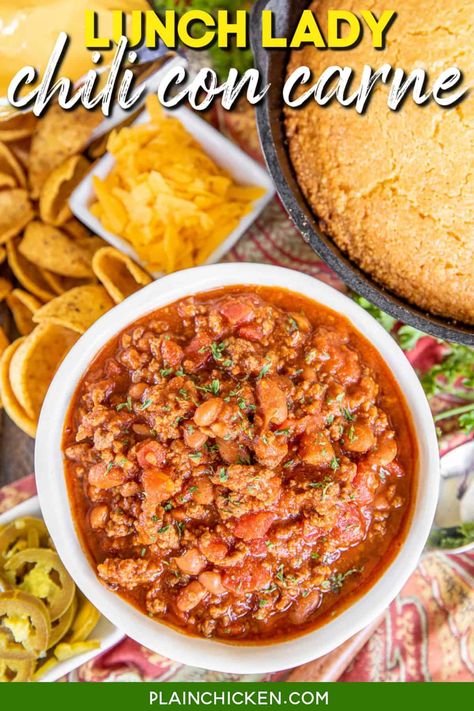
409	413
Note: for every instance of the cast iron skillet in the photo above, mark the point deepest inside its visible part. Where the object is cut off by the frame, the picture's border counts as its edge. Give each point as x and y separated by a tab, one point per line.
272	65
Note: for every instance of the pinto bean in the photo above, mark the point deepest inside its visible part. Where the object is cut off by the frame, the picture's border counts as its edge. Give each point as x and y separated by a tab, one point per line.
150	453
272	401
98	516
212	581
191	562
103	479
316	449
304	607
358	437
385	450
208	412
194	439
190	596
136	390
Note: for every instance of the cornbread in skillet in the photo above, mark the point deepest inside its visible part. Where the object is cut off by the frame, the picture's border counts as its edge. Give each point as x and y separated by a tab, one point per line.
395	190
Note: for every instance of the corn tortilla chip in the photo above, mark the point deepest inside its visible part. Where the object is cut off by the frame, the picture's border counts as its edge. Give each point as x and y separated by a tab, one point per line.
35	362
74	228
13	408
21	151
17	127
52	249
4	341
77	309
60	135
59	284
27	273
15	213
5	287
3	254
120	275
10	167
57	189
23	305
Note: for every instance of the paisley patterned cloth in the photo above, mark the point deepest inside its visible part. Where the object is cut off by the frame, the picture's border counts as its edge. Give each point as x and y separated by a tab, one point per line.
427	634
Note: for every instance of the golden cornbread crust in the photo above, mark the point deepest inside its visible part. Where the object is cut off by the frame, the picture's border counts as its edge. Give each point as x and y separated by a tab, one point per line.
395	190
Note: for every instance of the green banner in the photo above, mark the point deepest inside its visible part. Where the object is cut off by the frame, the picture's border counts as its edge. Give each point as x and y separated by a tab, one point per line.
223	695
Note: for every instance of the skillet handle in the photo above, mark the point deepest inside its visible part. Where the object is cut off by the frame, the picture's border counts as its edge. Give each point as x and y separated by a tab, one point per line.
259	53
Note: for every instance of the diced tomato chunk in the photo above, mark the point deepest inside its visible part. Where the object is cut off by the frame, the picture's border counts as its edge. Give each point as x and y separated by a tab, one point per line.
250	576
253	525
350	527
198	352
157	485
253	332
106	477
150	453
172	353
237	312
272	401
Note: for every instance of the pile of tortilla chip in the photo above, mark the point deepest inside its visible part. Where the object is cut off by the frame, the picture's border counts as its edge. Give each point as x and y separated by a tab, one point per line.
56	278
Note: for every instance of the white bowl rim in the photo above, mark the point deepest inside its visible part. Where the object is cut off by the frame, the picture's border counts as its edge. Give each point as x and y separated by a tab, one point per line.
194	651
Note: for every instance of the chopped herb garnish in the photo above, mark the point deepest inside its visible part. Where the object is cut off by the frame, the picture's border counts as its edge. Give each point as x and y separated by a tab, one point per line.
165	372
285	432
154	519
163	529
110	466
168	506
223	476
146	404
292	325
329	419
143	552
315	556
127	404
334	463
288	464
383	474
262	602
264	370
195	456
336	581
347	414
217	349
340	397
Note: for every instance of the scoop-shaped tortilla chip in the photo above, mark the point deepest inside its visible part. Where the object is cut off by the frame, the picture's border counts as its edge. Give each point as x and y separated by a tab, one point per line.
59	284
4	341
13	408
15	212
120	275
35	362
5	287
57	189
74	228
17	127
60	135
53	249
23	305
11	168
27	273
77	309
3	254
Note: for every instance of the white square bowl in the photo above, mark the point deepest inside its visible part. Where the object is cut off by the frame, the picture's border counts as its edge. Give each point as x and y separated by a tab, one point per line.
243	169
105	632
